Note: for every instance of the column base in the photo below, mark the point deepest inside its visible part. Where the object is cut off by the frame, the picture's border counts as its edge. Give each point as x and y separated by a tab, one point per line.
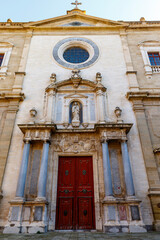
18	200
132	198
109	198
40	199
125	229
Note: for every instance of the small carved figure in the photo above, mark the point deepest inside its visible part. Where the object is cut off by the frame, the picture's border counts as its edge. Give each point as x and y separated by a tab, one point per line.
75	112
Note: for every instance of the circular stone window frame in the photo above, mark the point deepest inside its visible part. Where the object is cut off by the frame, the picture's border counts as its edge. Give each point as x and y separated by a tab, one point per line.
84	43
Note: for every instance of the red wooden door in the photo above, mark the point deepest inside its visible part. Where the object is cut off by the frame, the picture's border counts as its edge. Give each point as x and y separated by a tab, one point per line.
75	194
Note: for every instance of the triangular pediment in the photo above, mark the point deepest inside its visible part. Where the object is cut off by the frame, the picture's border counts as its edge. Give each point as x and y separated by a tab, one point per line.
75	20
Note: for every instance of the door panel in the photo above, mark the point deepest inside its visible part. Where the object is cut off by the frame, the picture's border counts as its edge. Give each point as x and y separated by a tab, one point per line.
75	194
65	213
85	213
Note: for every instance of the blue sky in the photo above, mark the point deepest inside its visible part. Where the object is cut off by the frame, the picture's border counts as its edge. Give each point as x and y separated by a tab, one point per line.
34	10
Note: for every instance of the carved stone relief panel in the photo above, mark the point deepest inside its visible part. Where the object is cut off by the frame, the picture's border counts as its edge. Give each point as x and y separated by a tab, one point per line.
74	144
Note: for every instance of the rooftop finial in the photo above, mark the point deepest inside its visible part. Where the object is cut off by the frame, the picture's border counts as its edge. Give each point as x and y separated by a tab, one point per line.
76	3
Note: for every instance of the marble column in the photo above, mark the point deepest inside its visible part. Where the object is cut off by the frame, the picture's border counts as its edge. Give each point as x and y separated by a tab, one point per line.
23	171
107	170
127	169
43	172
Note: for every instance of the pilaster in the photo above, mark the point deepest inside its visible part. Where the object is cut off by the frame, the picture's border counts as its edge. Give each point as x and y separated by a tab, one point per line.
131	74
19	76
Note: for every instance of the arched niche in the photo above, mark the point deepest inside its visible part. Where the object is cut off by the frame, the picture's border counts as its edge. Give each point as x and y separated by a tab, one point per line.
71	109
59	98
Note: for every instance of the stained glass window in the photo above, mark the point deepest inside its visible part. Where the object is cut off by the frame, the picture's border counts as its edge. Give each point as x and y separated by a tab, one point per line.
76	55
1	58
154	58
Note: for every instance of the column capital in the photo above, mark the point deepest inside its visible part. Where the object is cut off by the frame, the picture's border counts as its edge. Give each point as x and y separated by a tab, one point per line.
104	140
27	140
47	140
124	139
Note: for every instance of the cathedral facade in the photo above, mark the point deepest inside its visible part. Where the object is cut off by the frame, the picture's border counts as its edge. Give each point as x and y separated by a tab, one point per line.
79	126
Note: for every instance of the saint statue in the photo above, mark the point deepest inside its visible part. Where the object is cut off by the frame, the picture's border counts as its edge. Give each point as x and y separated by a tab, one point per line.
75	112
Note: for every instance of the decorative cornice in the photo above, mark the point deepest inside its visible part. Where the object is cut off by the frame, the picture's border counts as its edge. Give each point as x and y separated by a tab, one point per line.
143	95
107	23
20	73
12	96
131	72
95	86
37	126
154	191
114	127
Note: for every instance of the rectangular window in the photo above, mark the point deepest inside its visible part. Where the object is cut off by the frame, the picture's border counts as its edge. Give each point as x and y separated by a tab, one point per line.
154	58
1	58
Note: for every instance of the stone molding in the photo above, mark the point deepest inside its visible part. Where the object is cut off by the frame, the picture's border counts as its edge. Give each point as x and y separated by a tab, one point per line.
143	95
12	96
66	43
57	85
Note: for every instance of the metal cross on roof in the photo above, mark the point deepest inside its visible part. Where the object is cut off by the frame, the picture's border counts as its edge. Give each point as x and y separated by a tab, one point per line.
76	3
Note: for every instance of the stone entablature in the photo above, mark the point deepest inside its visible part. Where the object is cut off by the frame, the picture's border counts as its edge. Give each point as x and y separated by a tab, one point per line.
37	132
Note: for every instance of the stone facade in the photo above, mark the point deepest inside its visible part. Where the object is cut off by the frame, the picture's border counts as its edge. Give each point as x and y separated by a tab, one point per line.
117	93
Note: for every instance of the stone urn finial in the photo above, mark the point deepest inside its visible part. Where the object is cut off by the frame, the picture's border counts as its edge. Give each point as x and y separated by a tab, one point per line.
98	77
9	20
118	113
33	112
53	78
142	19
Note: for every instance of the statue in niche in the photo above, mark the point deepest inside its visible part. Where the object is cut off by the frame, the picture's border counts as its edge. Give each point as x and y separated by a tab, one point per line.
75	114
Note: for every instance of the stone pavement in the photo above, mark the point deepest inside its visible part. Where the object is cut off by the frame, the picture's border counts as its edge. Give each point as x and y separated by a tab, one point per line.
81	236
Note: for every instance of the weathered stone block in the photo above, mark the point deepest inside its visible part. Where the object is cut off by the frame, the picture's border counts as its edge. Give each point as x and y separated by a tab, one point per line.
38	213
137	229
111	213
26	213
135	213
35	172
122	212
14	214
